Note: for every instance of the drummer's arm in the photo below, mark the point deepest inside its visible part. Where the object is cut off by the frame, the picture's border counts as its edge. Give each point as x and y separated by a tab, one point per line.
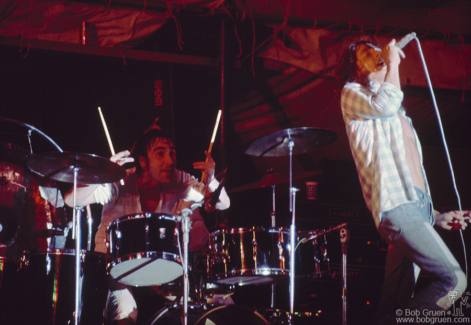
84	195
209	167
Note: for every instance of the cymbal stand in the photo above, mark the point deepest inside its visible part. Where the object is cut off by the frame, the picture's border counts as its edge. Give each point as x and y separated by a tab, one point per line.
78	237
273	224
344	238
186	224
292	234
273	214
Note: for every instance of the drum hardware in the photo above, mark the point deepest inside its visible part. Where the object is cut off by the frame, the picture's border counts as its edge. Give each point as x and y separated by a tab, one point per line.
143	249
312	259
30	130
344	238
246	256
186	225
90	224
65	167
290	142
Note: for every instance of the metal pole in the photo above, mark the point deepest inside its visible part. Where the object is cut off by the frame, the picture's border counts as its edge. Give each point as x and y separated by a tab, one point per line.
186	240
273	213
78	236
292	235
90	227
343	240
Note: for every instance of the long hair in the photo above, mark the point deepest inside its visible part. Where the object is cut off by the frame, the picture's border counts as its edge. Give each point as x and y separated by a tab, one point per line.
144	143
348	68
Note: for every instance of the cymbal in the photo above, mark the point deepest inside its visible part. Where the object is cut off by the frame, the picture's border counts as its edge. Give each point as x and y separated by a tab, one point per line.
272	179
304	138
92	169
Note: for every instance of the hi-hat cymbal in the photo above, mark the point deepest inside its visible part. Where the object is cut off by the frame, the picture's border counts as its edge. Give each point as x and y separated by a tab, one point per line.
304	139
92	169
272	179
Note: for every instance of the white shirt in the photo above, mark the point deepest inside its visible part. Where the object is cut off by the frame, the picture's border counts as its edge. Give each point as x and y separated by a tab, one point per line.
123	200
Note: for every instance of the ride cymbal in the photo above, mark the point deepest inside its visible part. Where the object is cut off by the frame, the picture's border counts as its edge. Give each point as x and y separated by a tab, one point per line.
92	169
305	139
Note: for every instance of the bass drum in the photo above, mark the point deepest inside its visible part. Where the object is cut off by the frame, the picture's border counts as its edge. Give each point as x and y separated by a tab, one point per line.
10	300
48	287
208	314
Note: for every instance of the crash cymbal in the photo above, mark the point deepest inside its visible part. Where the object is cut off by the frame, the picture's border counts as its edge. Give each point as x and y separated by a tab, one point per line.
92	169
272	179
277	143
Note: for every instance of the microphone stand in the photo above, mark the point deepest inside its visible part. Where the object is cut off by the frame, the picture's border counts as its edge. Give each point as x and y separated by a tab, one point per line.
186	226
344	238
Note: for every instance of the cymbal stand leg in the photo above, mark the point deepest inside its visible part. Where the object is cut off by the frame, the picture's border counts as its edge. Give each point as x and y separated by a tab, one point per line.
78	237
186	224
273	296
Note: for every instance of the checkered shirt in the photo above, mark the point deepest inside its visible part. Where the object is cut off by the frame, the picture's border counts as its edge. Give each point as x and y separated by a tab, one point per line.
376	141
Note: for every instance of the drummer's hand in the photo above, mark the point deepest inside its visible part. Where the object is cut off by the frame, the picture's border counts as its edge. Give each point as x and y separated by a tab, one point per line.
208	166
453	220
122	158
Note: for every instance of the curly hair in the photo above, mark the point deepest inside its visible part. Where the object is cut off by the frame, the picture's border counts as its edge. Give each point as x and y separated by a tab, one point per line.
144	143
348	68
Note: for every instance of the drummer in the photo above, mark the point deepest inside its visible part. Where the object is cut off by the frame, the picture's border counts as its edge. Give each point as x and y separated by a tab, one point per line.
153	185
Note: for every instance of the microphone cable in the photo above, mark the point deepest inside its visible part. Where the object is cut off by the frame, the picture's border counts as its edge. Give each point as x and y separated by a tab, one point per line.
446	149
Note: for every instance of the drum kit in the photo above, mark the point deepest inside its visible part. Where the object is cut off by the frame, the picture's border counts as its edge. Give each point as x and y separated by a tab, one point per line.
145	248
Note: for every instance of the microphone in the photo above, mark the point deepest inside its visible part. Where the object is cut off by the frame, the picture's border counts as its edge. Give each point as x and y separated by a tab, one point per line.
405	40
211	205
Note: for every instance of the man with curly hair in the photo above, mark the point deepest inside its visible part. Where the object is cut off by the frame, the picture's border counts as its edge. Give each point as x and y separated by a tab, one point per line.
388	159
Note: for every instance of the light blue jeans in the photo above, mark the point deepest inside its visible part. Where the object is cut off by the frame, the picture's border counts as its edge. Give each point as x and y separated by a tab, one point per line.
408	231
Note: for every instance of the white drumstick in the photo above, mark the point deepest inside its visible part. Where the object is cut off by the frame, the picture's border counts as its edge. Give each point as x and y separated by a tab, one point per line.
215	131
203	177
108	136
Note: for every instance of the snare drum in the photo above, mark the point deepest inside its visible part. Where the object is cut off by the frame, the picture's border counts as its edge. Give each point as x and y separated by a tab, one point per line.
144	249
249	256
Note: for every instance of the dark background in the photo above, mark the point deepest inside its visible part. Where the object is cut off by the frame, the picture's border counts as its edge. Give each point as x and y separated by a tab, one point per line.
58	93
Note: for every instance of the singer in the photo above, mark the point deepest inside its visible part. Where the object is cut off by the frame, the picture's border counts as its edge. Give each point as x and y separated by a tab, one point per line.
388	159
153	185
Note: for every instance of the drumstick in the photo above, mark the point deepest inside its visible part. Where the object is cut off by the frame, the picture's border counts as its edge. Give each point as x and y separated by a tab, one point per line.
212	140
108	136
214	131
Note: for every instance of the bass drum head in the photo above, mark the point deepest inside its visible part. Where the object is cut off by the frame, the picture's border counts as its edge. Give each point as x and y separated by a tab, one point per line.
199	315
231	315
172	315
